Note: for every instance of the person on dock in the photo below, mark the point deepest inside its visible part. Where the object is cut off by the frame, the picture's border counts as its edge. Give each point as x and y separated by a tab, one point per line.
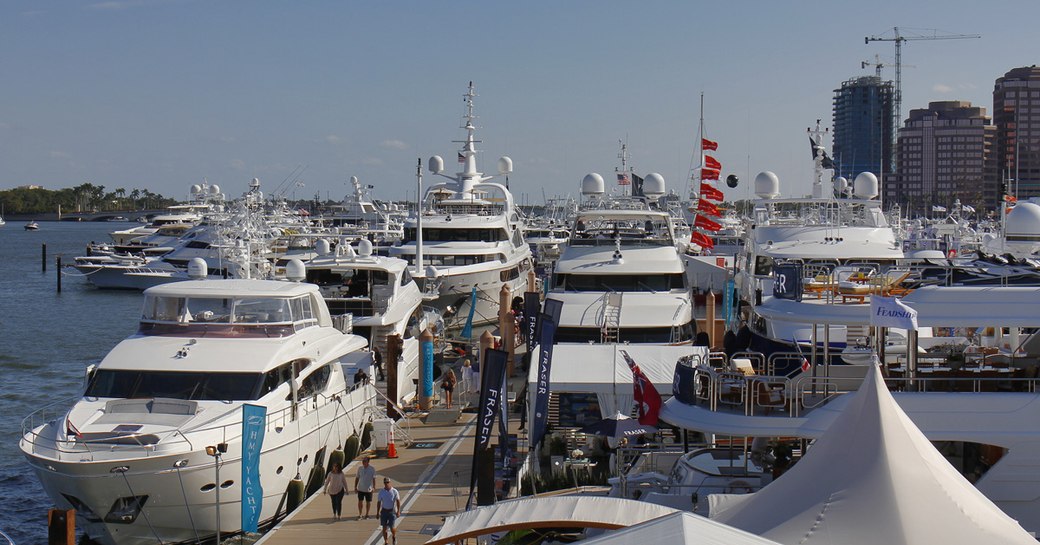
365	484
389	509
336	487
467	377
449	385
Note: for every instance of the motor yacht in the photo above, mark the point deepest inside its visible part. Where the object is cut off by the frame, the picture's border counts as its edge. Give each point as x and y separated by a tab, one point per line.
157	435
382	299
466	236
32	226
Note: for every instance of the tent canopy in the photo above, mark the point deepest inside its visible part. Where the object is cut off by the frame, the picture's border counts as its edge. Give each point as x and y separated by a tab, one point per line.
548	512
678	529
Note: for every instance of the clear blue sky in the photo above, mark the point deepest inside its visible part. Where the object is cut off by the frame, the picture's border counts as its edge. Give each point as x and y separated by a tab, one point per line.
159	94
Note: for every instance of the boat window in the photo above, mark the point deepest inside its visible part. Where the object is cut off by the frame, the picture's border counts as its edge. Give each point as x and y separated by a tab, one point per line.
406	277
262	310
763	265
453	260
509	274
201	386
438	234
275	378
314	383
620	282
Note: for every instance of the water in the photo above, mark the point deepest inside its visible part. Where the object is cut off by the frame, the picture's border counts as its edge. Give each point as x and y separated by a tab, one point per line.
46	341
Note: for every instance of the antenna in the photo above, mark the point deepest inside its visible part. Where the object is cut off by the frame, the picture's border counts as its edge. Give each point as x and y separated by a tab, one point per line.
897	103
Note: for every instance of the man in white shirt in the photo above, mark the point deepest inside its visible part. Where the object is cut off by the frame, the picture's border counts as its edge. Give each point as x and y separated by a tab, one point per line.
389	509
365	484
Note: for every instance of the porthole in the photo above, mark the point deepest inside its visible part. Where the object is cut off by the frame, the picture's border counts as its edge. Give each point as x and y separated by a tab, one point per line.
208	487
227	484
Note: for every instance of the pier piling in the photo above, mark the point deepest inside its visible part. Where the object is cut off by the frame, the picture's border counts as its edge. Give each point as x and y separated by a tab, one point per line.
43	257
57	266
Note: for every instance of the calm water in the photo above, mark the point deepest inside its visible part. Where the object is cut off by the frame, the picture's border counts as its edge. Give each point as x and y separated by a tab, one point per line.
46	341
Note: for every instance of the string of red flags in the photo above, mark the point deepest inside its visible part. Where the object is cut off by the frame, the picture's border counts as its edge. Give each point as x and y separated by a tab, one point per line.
709	208
709	191
706	224
709	174
711	162
709	145
701	240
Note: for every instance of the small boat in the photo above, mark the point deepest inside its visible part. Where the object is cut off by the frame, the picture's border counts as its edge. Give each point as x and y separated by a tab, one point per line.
32	226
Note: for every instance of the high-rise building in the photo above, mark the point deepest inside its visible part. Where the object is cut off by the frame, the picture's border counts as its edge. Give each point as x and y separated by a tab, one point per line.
1016	113
862	140
945	153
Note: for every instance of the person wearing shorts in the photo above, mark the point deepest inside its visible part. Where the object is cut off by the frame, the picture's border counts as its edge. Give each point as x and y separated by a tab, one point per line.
389	509
365	484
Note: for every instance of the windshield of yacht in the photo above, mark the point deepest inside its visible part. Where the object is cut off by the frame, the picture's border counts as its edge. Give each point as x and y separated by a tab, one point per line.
442	234
261	316
199	386
619	282
593	230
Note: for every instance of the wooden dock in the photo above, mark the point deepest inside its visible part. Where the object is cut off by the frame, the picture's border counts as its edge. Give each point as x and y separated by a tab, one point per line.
432	475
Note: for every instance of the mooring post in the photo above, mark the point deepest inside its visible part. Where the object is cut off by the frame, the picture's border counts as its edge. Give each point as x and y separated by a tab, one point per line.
57	266
43	257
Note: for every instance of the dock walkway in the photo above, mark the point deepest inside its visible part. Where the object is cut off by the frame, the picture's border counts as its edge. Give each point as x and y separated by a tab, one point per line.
432	475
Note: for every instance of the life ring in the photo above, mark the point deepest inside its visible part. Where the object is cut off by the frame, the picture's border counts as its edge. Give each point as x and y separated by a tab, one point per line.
952	253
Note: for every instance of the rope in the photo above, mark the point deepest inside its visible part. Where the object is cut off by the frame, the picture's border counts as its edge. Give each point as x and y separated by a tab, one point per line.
186	506
143	512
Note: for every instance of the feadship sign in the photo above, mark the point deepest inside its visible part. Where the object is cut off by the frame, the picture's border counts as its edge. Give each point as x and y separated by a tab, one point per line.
891	312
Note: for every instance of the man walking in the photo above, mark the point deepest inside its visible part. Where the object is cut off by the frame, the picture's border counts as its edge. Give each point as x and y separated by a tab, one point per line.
389	509
365	484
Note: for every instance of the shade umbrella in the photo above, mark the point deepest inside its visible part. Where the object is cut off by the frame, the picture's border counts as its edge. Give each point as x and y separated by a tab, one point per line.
618	426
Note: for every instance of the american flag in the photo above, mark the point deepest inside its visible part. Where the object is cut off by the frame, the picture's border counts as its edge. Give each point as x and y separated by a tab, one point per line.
462	158
622	179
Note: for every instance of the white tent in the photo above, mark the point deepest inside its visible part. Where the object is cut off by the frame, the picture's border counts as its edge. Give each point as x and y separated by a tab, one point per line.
872	478
680	528
548	512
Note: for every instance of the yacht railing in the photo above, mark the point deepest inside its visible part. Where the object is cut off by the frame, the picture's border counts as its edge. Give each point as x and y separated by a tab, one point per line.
174	441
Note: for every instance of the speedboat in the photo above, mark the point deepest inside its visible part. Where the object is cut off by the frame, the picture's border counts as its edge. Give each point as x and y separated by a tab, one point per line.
153	449
32	226
467	240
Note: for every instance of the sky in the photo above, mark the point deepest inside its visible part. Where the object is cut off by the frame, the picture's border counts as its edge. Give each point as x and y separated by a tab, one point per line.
161	94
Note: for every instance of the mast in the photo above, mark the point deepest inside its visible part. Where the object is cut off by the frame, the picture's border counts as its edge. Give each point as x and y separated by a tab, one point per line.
418	219
468	155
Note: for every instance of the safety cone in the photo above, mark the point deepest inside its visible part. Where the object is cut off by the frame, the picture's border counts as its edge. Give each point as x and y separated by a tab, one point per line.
391	451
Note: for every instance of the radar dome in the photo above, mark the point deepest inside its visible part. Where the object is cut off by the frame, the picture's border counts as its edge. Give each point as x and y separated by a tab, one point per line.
505	165
353	180
653	185
195	189
295	270
364	248
346	250
865	186
197	268
767	185
255	182
841	184
322	247
214	189
592	184
1023	220
436	164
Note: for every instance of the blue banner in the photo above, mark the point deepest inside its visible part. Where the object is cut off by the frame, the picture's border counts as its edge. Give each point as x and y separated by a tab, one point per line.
532	305
467	330
684	386
727	303
541	402
492	379
254	419
787	282
552	308
426	388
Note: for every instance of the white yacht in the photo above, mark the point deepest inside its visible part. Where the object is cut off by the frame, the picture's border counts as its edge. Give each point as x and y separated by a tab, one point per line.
824	235
382	299
468	234
131	457
203	198
361	215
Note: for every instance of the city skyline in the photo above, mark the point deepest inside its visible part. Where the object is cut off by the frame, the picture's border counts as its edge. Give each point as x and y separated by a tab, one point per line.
160	94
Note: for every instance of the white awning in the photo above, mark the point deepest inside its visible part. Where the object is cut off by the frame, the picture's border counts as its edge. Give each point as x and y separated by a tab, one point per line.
548	512
679	529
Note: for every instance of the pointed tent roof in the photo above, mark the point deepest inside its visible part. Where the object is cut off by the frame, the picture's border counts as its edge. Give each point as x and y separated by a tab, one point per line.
680	528
873	477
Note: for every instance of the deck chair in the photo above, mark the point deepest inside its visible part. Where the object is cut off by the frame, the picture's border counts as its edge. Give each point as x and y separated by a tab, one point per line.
743	365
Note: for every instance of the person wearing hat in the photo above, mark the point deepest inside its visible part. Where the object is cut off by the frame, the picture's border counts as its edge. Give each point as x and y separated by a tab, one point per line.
389	509
365	484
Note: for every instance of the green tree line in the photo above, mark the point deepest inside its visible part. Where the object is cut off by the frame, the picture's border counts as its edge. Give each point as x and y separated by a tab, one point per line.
82	198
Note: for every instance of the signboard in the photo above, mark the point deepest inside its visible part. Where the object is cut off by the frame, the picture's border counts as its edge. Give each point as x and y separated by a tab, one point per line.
254	419
787	282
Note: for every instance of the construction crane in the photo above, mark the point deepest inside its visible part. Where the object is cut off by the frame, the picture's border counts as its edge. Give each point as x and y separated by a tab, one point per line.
897	102
876	64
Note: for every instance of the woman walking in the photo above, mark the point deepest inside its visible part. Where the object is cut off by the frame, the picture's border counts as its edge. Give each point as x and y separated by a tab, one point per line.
336	487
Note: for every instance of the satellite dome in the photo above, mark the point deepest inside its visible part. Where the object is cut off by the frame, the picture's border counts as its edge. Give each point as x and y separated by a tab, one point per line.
214	189
505	165
436	164
197	268
345	249
592	184
254	183
322	247
364	248
195	189
767	185
653	185
1023	220
865	186
295	270
841	184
